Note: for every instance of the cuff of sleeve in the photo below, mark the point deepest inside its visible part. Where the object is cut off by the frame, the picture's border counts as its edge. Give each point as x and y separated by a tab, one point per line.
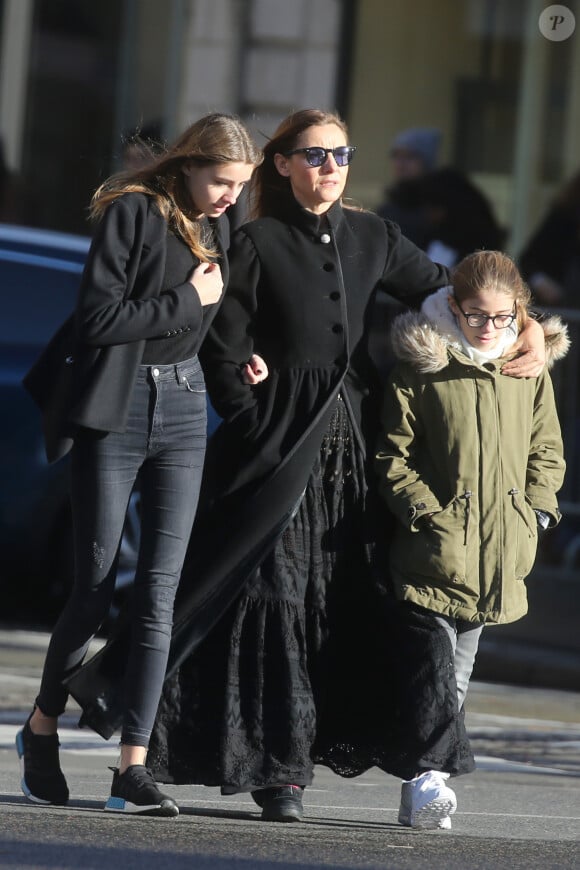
547	519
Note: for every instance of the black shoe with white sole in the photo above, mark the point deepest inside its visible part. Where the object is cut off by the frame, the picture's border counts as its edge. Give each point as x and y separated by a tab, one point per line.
42	779
135	792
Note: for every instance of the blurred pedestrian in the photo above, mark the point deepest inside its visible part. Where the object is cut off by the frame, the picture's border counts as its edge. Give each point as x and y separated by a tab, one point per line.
412	154
459	217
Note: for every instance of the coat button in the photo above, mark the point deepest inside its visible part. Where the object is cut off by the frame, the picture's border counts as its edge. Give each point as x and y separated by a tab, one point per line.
325	239
338	328
335	295
328	267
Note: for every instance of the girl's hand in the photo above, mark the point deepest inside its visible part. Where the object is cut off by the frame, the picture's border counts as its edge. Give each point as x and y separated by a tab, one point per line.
531	349
206	279
255	371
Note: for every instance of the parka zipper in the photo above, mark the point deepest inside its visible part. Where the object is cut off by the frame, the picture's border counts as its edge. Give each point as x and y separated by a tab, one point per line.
467	496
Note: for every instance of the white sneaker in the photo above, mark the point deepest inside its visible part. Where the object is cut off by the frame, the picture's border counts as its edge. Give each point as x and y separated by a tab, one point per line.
426	802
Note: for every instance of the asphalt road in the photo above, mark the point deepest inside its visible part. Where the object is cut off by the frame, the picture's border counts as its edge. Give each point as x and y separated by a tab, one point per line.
520	809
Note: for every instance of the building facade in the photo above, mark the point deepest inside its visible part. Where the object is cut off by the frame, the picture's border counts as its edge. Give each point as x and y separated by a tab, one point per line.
75	76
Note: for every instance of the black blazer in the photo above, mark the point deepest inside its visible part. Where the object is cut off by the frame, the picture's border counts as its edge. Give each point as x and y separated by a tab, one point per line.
87	372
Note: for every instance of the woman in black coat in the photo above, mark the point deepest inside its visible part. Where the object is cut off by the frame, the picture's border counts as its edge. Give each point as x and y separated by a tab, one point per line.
292	532
137	405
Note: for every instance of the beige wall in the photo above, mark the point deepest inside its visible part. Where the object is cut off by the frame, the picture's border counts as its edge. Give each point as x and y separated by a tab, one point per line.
407	56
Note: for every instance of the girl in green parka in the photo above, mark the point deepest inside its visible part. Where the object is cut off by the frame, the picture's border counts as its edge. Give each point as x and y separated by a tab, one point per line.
470	462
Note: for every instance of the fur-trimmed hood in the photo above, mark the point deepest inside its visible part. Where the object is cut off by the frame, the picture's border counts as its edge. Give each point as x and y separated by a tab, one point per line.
425	338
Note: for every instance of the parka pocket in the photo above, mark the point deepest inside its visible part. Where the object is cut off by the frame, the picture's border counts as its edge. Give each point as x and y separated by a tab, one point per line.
439	548
526	534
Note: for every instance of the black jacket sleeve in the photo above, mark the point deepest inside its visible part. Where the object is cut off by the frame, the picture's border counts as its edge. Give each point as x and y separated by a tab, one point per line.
110	310
229	343
408	270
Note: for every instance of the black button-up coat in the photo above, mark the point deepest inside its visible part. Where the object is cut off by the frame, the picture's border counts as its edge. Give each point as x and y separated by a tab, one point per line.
301	294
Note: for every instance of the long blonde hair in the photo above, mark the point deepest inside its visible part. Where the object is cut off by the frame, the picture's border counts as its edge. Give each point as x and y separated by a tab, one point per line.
214	139
491	270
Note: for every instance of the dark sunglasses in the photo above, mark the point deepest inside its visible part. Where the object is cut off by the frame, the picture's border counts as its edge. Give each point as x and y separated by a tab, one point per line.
316	156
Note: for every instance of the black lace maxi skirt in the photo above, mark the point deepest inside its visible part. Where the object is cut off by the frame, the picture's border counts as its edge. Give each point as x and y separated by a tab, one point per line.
306	668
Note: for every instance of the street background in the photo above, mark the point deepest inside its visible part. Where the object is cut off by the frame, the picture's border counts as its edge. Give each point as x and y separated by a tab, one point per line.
520	809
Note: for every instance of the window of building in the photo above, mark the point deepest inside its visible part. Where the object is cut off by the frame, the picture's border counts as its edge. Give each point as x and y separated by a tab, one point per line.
95	72
70	107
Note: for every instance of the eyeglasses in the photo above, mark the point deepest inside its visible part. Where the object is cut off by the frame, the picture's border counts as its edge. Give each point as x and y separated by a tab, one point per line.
500	321
316	156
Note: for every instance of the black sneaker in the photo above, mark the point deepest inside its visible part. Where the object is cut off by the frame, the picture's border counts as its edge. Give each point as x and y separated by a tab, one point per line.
282	803
42	779
135	791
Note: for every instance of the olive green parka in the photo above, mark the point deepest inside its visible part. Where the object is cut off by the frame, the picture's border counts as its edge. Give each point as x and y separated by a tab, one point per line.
478	450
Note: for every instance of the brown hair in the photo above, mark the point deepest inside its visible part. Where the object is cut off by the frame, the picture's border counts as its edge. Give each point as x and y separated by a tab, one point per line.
269	189
214	139
491	270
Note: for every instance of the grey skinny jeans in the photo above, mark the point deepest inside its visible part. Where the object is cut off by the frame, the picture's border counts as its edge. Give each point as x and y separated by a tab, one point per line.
164	443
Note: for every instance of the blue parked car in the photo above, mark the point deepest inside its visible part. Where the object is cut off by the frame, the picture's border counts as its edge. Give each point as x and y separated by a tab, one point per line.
39	276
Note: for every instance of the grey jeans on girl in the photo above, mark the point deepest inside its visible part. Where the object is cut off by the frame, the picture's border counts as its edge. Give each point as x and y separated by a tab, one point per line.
164	443
464	638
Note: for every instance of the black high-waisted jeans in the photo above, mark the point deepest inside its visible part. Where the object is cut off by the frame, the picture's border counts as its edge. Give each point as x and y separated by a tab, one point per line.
165	443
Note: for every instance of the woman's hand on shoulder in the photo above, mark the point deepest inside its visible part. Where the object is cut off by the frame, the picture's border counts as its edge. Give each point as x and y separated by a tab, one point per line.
531	353
255	371
207	280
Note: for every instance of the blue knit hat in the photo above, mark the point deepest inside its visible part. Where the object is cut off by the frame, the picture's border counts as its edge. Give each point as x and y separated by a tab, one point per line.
422	141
